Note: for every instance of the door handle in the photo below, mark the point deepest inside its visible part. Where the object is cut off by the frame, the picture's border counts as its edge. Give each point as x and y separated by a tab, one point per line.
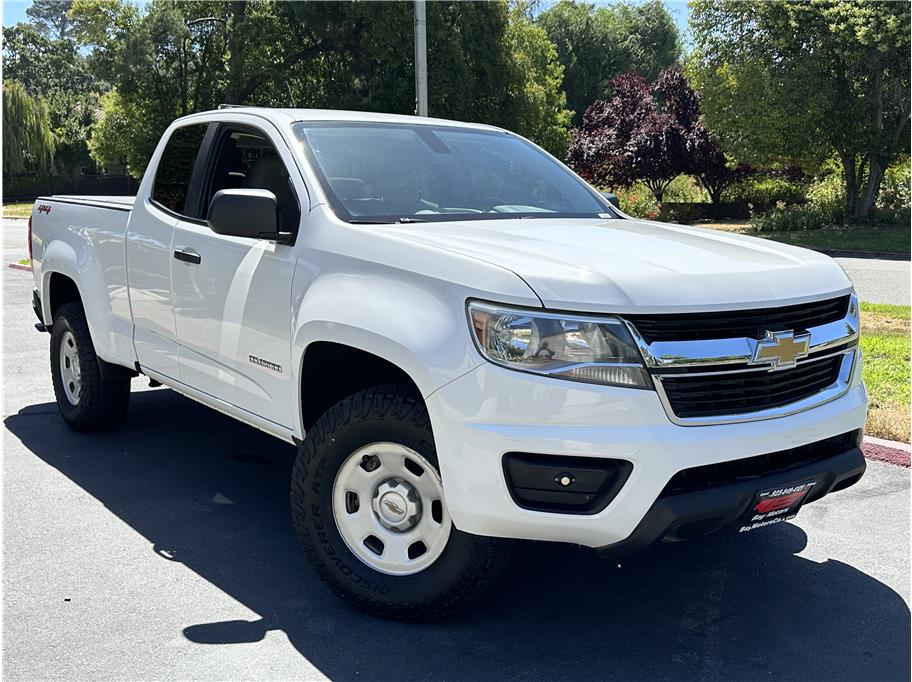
188	256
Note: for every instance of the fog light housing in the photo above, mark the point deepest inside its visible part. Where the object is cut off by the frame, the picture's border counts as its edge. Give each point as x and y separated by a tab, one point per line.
568	485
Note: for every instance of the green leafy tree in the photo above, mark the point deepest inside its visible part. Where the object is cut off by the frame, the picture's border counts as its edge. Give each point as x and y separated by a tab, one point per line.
595	44
112	137
55	71
51	17
486	63
790	82
28	144
541	105
162	64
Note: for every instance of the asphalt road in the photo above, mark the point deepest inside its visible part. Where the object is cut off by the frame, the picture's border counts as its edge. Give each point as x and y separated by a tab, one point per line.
165	550
879	281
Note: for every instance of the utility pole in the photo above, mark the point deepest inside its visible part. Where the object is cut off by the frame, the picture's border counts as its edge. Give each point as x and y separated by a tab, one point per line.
421	93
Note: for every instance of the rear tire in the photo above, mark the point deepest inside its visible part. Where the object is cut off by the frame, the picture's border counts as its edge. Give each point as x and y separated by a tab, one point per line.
85	400
377	427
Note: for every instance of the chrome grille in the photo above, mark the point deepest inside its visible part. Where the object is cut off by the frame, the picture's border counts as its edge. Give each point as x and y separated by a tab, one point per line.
706	372
752	324
708	395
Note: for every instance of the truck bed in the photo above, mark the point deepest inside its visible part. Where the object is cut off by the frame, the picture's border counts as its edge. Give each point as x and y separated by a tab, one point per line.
120	203
82	238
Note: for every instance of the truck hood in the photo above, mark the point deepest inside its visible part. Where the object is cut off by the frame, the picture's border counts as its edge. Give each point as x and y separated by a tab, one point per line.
616	265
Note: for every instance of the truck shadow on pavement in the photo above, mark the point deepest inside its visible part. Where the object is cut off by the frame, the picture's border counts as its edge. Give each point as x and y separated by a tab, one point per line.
214	497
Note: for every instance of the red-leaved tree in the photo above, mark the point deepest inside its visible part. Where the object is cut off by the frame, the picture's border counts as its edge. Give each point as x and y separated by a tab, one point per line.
650	133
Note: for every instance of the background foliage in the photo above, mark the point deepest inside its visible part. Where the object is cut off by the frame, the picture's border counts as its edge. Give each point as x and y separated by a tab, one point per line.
797	112
28	145
798	82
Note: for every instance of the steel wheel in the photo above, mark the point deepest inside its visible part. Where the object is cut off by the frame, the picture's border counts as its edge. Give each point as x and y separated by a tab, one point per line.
70	371
389	509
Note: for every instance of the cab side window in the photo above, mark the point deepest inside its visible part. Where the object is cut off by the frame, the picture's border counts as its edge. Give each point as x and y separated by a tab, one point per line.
175	168
245	158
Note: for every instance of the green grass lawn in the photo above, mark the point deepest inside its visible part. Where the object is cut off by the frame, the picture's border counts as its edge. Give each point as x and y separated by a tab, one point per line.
21	210
885	348
893	238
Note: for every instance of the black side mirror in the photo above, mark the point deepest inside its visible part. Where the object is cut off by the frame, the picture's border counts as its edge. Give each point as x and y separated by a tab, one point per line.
245	213
612	198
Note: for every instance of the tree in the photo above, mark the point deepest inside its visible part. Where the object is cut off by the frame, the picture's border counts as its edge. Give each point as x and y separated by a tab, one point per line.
641	133
650	37
51	17
112	137
54	71
541	105
797	82
28	144
594	44
711	166
487	62
705	159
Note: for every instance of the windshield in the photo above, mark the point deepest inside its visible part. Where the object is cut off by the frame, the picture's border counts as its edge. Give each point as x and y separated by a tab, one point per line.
390	172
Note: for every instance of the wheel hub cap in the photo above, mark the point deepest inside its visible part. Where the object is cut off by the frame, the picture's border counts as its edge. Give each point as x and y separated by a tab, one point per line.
70	369
397	505
388	506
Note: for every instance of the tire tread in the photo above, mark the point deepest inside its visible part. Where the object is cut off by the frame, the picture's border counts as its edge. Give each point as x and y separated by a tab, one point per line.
102	403
487	558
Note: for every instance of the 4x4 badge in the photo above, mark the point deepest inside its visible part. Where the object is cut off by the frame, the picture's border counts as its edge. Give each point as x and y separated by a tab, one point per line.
781	350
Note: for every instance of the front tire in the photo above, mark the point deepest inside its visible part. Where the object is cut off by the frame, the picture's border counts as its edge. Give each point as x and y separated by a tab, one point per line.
368	509
86	401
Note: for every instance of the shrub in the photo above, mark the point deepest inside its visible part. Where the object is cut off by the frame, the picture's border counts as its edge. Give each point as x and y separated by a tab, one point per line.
791	219
639	202
827	195
893	202
685	189
765	193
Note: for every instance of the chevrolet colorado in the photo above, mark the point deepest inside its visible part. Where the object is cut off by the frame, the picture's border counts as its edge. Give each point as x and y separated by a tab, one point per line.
468	344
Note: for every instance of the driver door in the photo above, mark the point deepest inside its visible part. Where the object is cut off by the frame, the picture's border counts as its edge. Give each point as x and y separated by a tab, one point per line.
232	295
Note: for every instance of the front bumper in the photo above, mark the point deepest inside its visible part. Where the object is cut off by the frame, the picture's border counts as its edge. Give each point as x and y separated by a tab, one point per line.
492	411
692	515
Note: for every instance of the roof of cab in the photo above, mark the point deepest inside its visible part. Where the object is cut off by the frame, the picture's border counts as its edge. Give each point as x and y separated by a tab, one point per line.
288	116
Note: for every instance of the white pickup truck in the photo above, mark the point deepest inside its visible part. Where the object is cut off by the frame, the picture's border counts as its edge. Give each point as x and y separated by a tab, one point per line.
467	343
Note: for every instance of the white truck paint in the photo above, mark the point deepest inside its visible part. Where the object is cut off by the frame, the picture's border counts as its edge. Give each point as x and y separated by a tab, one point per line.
233	330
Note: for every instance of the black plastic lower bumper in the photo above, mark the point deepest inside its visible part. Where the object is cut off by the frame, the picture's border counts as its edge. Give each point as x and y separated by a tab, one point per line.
695	514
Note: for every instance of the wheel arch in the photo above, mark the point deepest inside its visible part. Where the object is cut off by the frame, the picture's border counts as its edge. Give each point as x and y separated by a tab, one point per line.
418	334
67	277
61	289
330	371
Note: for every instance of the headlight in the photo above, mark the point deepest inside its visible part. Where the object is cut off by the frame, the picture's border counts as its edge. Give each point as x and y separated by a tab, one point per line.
597	350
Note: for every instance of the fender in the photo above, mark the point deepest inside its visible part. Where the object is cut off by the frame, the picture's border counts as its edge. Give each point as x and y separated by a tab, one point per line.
410	327
62	258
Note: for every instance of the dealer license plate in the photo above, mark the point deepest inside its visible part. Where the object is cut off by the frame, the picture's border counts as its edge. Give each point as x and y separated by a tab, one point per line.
775	505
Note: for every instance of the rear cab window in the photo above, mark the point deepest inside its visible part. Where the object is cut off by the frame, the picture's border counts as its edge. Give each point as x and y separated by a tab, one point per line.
175	169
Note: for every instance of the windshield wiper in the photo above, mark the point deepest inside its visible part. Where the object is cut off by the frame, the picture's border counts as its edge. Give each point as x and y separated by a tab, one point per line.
404	219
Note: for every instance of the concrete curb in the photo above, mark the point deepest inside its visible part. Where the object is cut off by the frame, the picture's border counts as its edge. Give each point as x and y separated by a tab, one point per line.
883	442
20	266
889	451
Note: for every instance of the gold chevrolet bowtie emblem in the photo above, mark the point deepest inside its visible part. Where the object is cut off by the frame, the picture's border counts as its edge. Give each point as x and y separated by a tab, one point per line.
781	350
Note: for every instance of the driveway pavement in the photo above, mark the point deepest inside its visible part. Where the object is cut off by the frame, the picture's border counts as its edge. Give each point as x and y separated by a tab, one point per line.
165	550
